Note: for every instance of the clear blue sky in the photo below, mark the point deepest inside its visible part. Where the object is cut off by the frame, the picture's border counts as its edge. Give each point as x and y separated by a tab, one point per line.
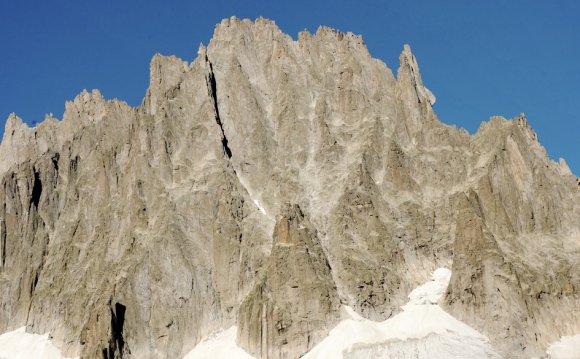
479	58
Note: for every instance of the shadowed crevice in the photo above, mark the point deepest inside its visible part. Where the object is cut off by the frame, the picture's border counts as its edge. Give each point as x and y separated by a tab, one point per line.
117	341
212	89
2	242
36	190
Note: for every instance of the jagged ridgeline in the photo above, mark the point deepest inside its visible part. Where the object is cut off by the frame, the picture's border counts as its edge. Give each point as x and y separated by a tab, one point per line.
264	185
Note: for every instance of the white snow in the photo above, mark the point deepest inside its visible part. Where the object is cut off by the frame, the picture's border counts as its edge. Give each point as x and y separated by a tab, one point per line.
430	292
221	345
422	330
565	348
257	203
254	195
21	345
430	97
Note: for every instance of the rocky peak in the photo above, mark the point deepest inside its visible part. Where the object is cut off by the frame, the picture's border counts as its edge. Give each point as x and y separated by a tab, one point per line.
243	30
165	74
522	123
165	212
418	121
23	142
331	35
409	77
13	124
88	103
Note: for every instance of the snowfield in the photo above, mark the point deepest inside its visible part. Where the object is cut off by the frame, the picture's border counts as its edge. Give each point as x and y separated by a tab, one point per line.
21	345
422	330
219	345
565	348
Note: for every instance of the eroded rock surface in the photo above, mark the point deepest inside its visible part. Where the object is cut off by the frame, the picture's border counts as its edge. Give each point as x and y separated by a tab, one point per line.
136	232
294	303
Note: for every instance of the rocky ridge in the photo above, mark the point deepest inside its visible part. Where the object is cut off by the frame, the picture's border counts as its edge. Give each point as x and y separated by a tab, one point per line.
265	184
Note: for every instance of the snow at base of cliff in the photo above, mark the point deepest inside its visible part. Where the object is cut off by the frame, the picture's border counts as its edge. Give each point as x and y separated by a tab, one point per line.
220	345
21	345
565	348
421	330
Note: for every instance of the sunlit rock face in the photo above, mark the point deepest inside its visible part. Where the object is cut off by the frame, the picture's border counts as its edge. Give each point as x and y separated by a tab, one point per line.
264	185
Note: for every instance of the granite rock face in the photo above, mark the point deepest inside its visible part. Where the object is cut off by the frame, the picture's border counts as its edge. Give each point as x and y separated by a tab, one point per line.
295	300
265	184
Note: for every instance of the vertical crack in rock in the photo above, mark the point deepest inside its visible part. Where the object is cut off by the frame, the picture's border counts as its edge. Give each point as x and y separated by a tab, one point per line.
2	243
36	190
34	283
116	342
212	90
54	160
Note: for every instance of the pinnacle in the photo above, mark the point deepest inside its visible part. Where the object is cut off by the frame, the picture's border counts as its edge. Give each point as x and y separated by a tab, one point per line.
409	75
232	28
202	50
14	119
407	59
12	123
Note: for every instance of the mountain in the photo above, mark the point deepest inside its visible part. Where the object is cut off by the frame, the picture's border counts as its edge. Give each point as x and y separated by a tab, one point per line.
268	184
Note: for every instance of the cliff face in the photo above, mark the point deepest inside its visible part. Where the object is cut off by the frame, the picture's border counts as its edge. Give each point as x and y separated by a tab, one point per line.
295	300
265	184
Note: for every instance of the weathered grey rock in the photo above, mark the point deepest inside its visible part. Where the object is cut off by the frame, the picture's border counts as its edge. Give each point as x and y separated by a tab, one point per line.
136	232
515	267
294	302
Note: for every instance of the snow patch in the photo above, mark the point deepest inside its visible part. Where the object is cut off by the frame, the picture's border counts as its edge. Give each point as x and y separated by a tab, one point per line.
254	196
221	345
18	344
565	348
257	203
430	97
422	330
430	292
433	346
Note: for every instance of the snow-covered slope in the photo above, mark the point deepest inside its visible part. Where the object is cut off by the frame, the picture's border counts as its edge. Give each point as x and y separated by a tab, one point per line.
421	330
220	345
565	348
21	345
